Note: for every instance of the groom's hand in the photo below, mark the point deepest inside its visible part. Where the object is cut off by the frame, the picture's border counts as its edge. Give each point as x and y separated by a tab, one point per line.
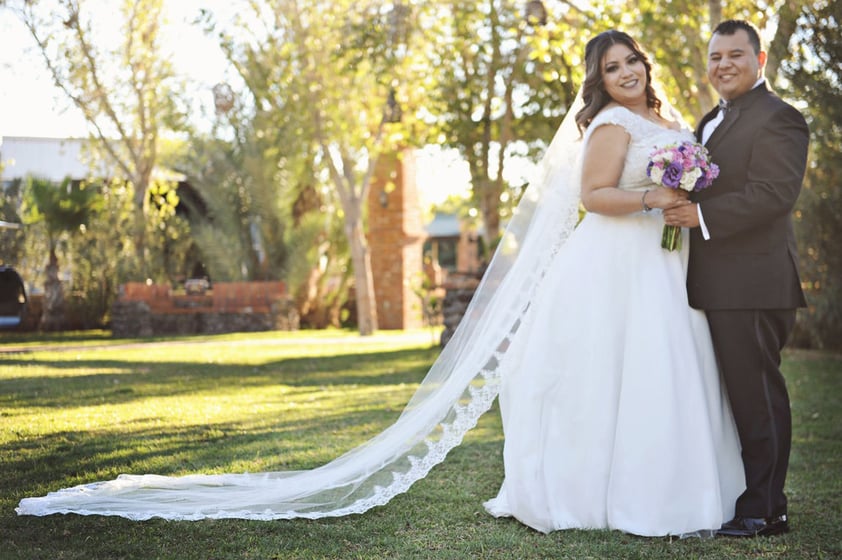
683	214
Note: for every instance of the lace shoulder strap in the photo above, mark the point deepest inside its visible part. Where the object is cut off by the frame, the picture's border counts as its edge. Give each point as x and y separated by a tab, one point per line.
617	115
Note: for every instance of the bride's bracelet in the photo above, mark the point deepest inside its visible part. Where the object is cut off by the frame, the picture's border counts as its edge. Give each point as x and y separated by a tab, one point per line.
646	207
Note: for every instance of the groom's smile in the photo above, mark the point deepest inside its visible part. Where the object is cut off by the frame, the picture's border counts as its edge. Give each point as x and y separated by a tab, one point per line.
733	65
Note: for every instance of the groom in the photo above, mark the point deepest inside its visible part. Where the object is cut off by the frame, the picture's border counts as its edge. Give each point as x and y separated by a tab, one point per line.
743	262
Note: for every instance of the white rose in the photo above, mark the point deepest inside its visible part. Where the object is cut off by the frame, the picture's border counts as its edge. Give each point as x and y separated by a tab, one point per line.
656	173
688	180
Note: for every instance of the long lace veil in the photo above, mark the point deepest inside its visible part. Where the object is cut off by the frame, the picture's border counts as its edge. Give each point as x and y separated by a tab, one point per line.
460	386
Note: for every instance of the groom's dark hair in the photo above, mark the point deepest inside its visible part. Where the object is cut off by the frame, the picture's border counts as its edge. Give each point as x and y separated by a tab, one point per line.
731	26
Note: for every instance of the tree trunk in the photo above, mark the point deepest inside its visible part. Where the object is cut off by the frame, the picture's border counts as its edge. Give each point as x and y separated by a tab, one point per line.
316	302
141	185
52	316
778	48
363	281
490	206
715	7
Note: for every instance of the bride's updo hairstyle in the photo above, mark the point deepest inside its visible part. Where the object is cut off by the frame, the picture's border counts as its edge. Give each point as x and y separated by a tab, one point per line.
594	95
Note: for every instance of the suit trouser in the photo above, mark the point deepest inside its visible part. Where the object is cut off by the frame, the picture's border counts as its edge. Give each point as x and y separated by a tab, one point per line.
748	346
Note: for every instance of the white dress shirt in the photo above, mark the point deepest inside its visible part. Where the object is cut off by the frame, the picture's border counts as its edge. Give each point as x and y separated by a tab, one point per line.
707	131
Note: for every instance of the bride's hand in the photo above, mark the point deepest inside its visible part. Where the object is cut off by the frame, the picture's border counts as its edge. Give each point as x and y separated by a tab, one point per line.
663	197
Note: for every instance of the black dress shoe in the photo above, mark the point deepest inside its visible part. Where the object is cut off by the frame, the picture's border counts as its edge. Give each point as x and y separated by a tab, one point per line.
754	526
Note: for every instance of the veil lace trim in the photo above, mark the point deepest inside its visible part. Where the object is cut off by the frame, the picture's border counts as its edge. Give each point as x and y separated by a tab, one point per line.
460	386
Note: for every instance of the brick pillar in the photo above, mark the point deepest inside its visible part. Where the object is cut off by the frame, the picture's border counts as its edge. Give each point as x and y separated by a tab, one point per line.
396	237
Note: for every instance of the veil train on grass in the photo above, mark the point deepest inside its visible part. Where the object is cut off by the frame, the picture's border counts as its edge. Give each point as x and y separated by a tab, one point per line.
460	386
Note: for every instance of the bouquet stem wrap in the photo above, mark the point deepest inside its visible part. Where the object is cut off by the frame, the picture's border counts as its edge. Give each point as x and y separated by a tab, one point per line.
671	238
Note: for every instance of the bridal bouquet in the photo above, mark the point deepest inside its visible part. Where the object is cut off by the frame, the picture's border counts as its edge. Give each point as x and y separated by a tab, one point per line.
684	166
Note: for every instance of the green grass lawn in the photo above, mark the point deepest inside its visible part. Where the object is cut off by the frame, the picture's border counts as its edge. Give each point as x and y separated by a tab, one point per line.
83	407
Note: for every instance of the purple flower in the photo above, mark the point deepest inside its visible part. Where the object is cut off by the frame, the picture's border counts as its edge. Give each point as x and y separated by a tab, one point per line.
672	175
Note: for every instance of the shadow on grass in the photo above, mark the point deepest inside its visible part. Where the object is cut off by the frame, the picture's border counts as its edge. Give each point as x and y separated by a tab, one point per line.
122	381
440	517
263	443
413	525
82	456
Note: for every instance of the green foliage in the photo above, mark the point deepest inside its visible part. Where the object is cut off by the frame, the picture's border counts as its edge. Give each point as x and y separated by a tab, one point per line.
126	90
430	297
501	84
238	225
681	65
167	235
101	253
319	271
11	240
79	409
320	76
55	215
61	208
377	36
815	76
475	75
129	94
455	204
101	257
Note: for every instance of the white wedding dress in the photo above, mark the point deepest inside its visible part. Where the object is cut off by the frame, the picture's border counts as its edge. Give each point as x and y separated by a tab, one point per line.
612	408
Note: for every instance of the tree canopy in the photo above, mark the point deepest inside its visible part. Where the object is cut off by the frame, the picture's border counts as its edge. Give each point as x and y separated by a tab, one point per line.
324	87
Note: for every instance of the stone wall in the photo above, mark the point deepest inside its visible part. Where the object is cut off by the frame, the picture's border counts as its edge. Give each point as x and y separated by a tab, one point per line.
460	290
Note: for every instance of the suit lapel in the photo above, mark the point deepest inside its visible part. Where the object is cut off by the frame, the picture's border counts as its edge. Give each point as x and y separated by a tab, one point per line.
743	102
730	118
705	120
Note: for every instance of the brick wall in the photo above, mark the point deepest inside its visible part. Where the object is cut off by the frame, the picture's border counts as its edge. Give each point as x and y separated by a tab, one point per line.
396	236
151	309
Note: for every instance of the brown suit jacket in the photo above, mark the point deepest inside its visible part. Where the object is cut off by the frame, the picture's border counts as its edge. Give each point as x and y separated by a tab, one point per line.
750	260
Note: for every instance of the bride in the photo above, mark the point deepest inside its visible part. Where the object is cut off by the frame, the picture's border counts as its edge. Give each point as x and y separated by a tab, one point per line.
614	416
612	410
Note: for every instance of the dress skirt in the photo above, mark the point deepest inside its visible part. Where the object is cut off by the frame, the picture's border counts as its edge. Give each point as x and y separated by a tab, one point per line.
613	412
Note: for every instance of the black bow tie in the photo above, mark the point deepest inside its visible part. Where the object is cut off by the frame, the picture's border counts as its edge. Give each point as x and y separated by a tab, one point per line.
725	106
